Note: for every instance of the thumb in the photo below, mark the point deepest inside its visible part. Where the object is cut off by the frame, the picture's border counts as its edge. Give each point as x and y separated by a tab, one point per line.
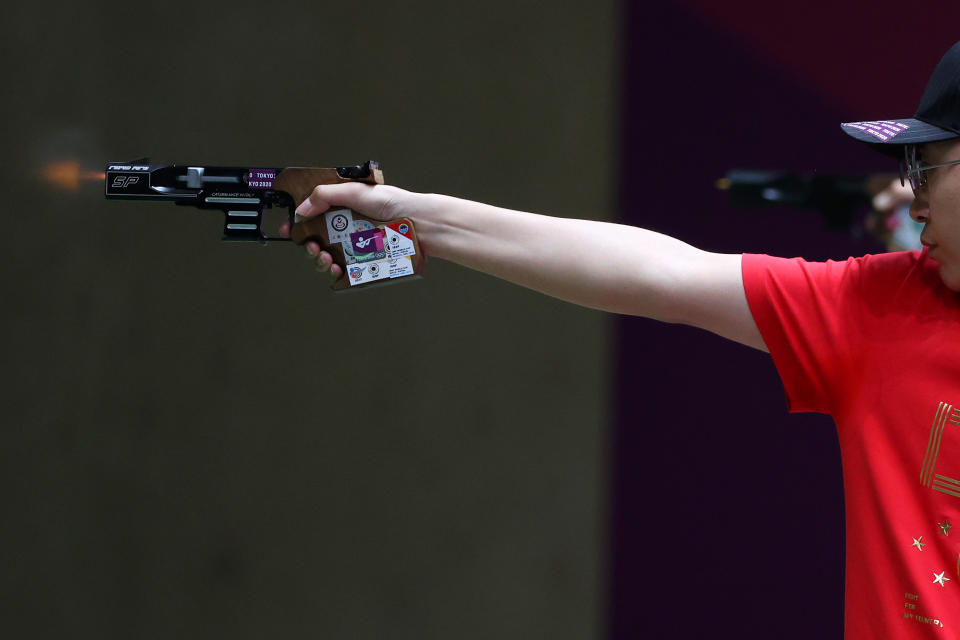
353	195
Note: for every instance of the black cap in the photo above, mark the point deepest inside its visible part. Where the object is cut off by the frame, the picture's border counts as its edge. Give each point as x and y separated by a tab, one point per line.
937	117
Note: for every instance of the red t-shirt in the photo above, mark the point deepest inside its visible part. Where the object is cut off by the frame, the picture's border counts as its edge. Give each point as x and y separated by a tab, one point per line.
875	342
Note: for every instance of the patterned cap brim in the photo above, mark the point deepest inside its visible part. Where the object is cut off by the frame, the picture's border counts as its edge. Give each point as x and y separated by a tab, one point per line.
896	132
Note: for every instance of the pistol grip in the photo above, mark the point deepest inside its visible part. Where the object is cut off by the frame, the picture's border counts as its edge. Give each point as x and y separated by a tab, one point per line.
309	229
316	229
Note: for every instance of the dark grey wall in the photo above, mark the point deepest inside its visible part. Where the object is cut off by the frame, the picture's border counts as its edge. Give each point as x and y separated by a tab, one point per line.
181	453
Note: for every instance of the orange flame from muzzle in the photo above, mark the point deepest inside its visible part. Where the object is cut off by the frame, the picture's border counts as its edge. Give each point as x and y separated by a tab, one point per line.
69	175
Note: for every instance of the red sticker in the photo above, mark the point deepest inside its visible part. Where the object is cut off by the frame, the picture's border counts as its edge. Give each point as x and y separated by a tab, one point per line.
403	228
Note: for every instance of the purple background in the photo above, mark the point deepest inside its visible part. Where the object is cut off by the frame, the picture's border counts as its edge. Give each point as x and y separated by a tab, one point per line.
727	513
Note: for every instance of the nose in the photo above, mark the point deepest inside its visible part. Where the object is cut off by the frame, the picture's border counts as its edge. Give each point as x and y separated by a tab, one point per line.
920	209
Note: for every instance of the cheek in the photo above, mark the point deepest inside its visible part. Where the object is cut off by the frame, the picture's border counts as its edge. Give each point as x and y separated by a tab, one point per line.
945	216
945	196
941	196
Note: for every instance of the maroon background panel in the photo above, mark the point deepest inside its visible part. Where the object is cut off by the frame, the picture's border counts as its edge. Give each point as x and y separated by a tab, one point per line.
727	511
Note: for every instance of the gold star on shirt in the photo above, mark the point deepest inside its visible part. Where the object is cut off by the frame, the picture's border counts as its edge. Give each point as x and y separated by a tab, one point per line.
918	544
939	579
945	527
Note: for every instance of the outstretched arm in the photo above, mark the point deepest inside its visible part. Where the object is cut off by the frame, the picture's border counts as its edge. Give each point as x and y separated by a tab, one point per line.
605	266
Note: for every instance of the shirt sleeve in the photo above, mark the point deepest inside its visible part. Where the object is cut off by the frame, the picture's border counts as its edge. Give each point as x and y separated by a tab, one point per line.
807	313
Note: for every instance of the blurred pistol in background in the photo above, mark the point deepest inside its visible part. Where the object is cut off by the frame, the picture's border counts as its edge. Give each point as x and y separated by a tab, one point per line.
369	251
836	197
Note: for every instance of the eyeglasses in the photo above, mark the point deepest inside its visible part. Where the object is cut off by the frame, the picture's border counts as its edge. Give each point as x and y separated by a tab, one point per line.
913	170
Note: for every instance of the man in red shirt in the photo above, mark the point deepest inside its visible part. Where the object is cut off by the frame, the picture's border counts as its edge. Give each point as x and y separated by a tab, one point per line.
873	341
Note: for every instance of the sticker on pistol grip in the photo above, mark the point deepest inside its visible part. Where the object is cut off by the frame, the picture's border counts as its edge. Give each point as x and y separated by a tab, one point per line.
399	240
400	267
368	272
368	245
348	256
339	224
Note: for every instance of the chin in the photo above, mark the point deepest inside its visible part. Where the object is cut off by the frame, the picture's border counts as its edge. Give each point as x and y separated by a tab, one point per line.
950	277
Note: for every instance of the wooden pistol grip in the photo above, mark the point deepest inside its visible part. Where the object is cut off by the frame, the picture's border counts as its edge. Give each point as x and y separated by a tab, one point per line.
316	229
299	182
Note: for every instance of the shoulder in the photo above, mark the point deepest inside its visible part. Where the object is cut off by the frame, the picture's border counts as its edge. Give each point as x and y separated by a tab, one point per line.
894	266
903	278
817	318
862	289
856	273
